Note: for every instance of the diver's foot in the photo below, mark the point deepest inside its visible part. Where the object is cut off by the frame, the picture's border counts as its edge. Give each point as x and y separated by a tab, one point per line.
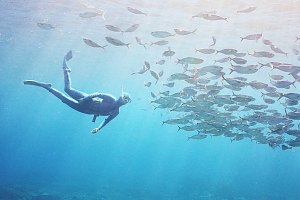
36	83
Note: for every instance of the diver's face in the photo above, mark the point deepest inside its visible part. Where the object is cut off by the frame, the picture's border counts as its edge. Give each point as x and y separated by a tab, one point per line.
126	99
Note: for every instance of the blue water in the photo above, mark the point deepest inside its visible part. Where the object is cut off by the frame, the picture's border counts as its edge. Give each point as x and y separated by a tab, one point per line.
47	148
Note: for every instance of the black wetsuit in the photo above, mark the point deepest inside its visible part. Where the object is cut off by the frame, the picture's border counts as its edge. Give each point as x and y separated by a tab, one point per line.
97	104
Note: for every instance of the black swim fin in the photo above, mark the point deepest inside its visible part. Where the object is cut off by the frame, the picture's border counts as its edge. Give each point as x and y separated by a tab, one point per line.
69	55
36	83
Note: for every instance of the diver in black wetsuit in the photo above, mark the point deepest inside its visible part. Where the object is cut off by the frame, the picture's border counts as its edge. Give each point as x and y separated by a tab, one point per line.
97	104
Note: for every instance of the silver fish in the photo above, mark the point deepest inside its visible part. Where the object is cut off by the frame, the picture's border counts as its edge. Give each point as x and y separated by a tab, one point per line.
257	85
183	32
147	84
153	95
270	89
91	14
168	53
189	60
45	26
283	84
213	17
155	75
206	51
161	73
132	28
160	62
136	11
240	54
252	37
277	50
214	41
171	84
178	76
276	77
116	42
239	61
197	137
267	42
92	43
160	42
290	102
161	34
243	70
113	28
247	10
292	96
228	51
269	101
260	54
223	60
140	42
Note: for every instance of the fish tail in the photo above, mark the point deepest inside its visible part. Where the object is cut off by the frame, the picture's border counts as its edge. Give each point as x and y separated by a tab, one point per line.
226	19
280	96
242	39
223	77
194	31
231	70
103	47
196	50
179	128
262	95
127	45
163	123
144	45
185	68
293	83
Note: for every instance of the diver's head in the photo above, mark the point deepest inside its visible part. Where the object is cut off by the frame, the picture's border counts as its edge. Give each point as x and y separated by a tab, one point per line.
124	98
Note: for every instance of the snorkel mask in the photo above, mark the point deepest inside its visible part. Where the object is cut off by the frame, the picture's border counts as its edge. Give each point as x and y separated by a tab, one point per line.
125	97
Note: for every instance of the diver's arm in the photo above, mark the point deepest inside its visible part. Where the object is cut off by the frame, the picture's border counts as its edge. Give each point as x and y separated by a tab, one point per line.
111	117
105	97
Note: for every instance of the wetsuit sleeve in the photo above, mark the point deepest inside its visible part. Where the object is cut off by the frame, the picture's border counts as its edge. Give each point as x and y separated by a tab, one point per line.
110	117
105	97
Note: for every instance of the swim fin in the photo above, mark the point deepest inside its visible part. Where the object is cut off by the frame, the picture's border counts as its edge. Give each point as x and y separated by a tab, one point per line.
36	83
69	55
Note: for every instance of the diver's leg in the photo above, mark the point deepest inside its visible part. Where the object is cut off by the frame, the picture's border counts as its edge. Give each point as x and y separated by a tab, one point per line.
75	94
70	102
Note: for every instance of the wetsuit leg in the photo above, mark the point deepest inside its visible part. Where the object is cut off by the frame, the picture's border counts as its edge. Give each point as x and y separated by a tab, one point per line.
75	94
66	100
69	101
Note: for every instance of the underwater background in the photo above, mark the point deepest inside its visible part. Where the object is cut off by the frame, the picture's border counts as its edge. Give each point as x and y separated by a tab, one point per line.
46	148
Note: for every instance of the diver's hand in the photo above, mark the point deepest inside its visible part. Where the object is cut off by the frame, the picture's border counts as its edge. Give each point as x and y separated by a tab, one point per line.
95	130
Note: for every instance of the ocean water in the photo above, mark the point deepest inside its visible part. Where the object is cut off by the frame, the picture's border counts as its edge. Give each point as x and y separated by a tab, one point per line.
46	148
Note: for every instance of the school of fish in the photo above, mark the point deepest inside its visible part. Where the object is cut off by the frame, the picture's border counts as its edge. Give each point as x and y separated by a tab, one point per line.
223	97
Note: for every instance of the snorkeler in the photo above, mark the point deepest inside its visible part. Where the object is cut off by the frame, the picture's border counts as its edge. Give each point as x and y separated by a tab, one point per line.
97	104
